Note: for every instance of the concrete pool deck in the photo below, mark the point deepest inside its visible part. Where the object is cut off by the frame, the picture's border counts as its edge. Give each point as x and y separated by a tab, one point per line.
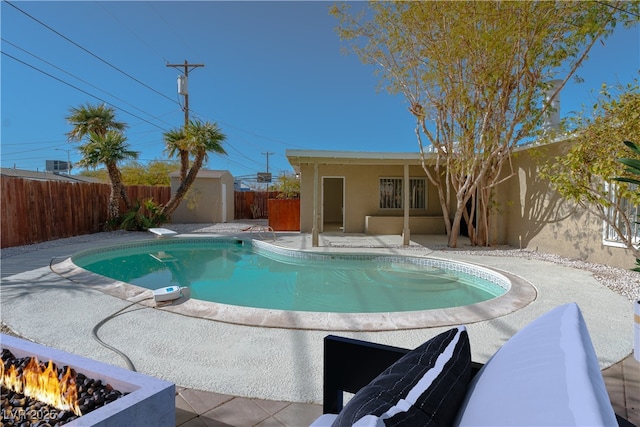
273	363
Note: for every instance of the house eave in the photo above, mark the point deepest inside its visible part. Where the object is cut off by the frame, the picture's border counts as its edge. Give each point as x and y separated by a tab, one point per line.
299	157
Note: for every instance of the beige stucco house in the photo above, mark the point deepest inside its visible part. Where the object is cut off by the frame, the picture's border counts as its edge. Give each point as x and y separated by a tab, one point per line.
210	198
359	192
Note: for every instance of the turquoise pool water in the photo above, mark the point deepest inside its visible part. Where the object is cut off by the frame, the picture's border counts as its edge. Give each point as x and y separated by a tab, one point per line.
240	273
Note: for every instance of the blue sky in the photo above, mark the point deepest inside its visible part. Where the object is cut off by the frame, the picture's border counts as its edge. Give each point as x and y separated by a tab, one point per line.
274	79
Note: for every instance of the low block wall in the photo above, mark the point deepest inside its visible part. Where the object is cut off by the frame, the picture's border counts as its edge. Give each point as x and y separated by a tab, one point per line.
393	225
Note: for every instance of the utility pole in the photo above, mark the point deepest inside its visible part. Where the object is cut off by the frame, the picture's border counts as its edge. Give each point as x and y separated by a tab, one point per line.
268	174
183	85
267	154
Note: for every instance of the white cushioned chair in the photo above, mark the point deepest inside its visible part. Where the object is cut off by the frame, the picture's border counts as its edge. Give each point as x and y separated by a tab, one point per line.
547	374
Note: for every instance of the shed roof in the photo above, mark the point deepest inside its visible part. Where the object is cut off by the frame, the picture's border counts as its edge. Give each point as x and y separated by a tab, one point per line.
204	173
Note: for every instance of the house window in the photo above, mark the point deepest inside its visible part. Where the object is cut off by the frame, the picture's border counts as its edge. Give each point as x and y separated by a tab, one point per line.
418	193
617	217
391	195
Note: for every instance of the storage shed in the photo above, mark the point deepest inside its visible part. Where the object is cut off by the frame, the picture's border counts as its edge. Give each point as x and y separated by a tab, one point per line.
210	198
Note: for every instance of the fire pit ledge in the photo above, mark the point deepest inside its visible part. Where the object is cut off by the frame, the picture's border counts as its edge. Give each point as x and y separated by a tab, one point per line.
149	402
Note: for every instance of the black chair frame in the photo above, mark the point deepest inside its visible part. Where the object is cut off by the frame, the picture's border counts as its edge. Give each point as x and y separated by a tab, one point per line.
350	364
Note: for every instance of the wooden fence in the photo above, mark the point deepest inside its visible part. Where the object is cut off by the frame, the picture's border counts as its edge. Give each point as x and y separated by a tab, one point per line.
34	211
252	204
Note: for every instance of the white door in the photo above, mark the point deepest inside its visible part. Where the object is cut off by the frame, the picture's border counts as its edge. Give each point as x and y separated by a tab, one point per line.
332	203
224	203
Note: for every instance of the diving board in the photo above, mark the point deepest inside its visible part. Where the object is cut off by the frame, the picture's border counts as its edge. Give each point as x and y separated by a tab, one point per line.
162	232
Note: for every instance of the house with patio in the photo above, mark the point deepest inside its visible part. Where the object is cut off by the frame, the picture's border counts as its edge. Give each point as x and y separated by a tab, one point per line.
363	192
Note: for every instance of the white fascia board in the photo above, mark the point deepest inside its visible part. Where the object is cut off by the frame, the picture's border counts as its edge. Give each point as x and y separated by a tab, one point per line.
325	156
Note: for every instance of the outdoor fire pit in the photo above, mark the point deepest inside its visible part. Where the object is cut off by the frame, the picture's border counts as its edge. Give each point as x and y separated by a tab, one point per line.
132	398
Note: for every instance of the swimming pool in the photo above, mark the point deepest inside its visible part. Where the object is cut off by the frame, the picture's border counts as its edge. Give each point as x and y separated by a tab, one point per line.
254	274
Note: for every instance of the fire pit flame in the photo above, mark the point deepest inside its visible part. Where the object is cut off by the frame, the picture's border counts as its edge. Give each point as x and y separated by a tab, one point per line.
106	394
42	383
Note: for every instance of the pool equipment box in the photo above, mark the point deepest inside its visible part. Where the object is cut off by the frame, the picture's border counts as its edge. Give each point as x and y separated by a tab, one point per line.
167	294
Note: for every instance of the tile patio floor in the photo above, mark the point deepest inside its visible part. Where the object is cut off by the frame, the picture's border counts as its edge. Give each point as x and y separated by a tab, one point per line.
202	409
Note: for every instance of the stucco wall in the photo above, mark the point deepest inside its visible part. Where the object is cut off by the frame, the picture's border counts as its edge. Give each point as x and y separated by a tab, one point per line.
535	217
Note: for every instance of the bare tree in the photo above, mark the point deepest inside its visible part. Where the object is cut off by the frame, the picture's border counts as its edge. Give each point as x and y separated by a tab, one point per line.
475	75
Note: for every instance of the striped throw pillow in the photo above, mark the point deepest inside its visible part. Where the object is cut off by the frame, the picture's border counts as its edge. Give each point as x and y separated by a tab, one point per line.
423	388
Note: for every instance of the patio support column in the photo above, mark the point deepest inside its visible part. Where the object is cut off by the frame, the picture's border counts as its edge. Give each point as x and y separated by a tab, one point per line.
406	233
314	229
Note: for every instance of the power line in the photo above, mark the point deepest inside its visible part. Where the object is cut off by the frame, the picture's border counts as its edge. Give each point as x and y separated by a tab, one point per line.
224	159
237	164
90	53
79	89
185	43
245	141
31	151
82	80
5	144
150	47
241	154
185	108
618	8
247	131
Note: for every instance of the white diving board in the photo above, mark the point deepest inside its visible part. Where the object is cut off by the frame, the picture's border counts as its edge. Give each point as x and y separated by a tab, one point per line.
162	232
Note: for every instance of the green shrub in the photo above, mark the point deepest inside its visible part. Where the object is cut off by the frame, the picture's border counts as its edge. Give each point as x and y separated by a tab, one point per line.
135	220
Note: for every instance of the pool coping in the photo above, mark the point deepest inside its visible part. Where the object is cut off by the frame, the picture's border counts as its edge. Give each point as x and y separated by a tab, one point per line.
520	294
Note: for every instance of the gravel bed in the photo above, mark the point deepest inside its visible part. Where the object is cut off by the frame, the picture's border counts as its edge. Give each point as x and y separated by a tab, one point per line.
85	238
623	281
8	331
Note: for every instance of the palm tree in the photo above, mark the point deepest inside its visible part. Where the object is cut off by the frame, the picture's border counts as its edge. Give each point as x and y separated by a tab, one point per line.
92	118
109	149
196	141
95	122
176	146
